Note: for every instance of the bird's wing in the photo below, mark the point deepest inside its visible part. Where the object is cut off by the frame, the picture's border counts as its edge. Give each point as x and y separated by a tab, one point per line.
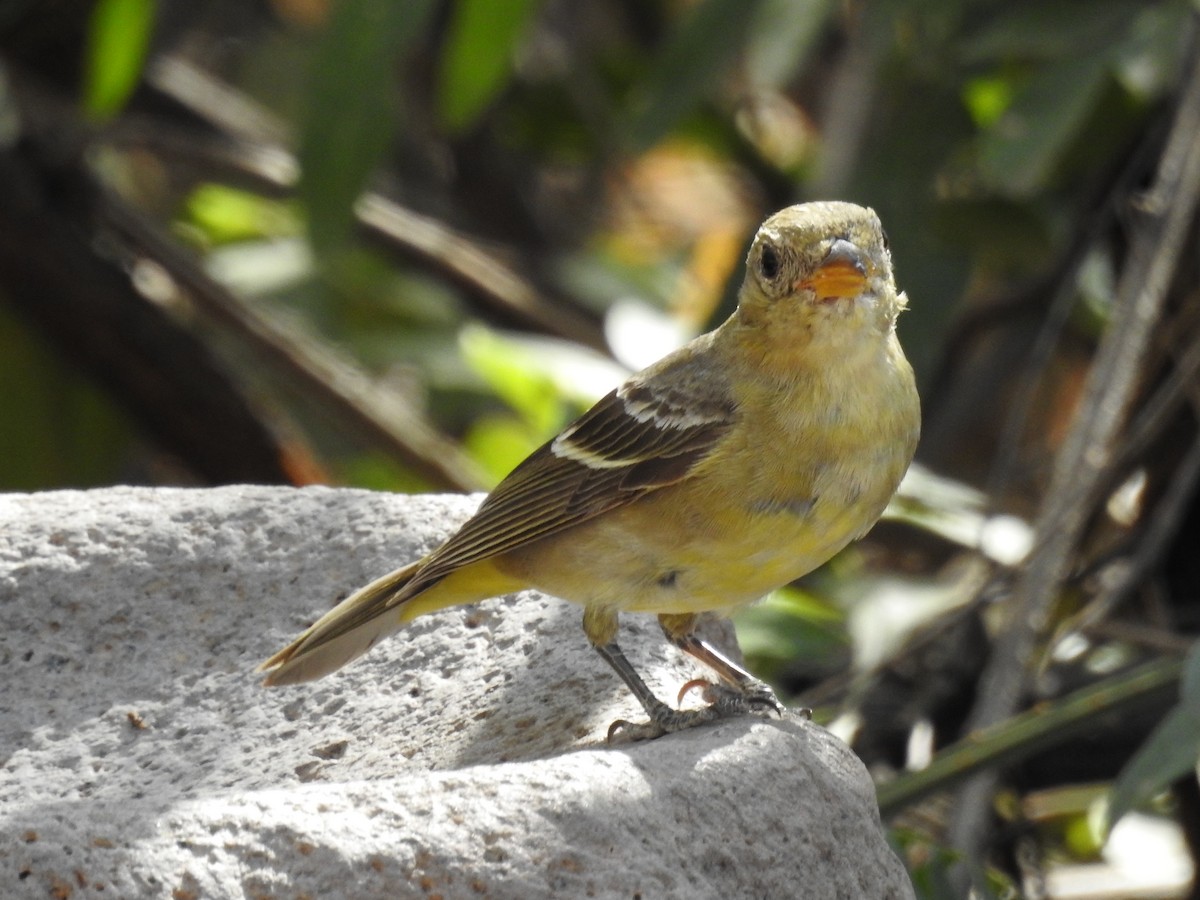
639	438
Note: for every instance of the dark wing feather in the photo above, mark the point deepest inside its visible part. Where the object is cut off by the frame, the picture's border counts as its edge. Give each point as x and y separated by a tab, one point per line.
634	440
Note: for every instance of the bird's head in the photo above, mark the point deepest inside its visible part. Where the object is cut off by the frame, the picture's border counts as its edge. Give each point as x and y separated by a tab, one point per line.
819	279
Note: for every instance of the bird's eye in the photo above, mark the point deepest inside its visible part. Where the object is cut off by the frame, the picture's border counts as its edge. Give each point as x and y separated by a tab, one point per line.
886	244
768	262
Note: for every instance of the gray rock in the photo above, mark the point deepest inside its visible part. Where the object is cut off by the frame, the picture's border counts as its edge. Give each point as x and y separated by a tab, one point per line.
464	757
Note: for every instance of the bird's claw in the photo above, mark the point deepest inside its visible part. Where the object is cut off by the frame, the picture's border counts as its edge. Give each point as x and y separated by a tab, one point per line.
663	720
702	683
733	701
630	732
758	695
724	702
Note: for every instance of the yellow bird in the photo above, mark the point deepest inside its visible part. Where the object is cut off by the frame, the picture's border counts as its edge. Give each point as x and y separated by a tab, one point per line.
733	466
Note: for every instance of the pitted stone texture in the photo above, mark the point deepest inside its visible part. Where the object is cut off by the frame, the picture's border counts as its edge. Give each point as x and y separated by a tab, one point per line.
464	757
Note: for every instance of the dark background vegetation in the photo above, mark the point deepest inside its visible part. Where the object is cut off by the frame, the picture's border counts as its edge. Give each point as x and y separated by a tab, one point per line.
397	245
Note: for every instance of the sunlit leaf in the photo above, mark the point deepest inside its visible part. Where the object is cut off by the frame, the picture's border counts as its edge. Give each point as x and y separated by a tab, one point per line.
118	37
517	378
499	443
526	370
987	98
1081	837
1171	751
476	61
351	114
227	214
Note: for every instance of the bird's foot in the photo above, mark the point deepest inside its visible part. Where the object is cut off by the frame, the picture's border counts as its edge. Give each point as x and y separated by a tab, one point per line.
724	702
663	720
751	696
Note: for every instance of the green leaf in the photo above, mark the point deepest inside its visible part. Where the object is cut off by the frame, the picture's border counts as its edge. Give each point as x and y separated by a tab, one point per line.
70	434
1171	751
929	864
790	624
1046	725
695	57
226	214
476	62
519	378
500	443
1019	153
378	472
544	379
351	113
118	37
987	98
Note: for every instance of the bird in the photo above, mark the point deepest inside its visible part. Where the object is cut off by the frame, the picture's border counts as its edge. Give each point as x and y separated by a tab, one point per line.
731	467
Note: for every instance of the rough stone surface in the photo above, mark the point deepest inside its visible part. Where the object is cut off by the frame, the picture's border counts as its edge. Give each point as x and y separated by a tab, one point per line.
464	757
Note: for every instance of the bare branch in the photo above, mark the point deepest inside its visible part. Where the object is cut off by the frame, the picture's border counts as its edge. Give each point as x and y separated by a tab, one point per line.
1164	216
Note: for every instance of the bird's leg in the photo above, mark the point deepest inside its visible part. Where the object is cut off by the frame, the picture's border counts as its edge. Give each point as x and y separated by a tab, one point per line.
663	719
738	691
601	628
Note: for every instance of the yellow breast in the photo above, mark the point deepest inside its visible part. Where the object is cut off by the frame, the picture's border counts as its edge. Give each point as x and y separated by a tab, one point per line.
778	498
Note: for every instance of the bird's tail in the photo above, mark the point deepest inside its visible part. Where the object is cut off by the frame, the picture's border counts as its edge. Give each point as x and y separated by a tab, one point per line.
346	632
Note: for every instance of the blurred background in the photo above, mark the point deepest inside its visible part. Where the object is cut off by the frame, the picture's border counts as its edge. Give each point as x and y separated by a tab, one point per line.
399	245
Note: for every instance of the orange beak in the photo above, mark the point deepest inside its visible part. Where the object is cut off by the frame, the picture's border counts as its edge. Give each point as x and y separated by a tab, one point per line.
841	274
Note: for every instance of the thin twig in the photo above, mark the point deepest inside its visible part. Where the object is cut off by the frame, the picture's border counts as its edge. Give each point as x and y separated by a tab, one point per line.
1160	409
847	108
1124	575
463	260
387	419
1034	731
1166	213
466	263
